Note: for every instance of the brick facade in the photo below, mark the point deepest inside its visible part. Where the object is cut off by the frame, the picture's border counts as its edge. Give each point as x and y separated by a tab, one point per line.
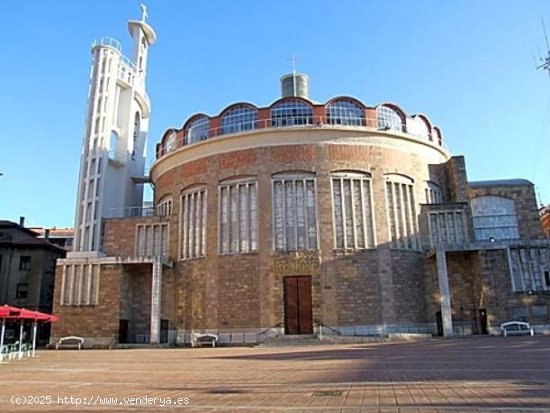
372	291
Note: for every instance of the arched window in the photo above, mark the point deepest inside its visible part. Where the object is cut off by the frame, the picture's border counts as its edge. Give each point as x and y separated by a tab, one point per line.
419	127
437	133
291	112
352	210
388	119
345	112
170	144
495	218
239	118
197	129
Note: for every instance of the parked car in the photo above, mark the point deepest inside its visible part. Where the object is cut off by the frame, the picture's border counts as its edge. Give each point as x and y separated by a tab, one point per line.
516	328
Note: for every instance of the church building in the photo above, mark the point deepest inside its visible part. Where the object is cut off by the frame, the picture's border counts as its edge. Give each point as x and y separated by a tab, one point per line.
296	218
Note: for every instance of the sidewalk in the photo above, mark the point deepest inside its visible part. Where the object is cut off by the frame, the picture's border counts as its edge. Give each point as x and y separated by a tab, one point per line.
477	374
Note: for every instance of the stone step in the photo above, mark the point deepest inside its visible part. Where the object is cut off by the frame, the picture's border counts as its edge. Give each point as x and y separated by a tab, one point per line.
292	340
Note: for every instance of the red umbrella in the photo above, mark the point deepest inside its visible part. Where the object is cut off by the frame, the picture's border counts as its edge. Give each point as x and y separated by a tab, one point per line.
7	311
35	316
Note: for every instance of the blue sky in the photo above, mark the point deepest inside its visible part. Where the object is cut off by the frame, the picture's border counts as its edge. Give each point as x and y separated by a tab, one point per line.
468	65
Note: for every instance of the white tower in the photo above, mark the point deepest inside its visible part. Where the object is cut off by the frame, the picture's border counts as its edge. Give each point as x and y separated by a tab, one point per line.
113	149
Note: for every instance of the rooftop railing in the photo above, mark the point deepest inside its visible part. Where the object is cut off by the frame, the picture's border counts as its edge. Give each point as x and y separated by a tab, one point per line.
108	41
200	133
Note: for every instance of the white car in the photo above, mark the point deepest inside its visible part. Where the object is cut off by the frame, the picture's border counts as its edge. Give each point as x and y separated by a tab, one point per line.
516	328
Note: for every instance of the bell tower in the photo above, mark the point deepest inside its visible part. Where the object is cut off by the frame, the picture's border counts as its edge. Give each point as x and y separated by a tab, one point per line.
114	143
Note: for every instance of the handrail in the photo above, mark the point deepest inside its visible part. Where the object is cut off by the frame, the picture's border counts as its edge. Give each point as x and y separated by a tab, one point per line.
338	333
128	212
270	328
191	136
112	343
108	41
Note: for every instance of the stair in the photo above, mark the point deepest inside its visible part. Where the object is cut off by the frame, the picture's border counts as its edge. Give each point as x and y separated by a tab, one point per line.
292	340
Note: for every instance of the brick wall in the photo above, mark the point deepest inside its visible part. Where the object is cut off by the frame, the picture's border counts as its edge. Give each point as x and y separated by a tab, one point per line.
119	234
246	291
525	202
98	324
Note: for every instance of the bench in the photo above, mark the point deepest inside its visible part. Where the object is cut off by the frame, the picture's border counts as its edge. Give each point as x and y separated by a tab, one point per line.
204	338
70	342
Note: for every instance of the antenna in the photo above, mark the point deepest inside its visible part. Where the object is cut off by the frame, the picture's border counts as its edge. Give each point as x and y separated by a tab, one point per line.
545	36
545	65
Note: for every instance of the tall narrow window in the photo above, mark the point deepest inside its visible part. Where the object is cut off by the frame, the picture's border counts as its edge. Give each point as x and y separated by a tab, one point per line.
171	143
193	223
529	268
294	212
401	210
238	216
164	207
151	240
137	127
433	193
80	284
113	146
352	210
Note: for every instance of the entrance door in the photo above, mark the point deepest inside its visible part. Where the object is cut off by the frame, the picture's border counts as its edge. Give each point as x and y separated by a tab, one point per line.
298	316
482	317
123	331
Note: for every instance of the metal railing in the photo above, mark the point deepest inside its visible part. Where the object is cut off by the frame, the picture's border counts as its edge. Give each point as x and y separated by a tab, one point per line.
315	122
130	212
108	41
321	326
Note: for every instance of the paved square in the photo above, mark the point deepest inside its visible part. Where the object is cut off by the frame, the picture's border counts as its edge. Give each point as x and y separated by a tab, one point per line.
477	374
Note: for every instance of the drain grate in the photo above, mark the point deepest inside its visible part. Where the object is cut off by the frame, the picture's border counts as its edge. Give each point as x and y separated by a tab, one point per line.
327	393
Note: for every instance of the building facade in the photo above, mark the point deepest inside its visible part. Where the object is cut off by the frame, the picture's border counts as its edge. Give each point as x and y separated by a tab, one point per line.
304	218
27	267
62	237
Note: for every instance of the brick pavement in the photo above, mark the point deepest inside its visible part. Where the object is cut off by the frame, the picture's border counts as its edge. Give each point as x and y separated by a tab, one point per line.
477	374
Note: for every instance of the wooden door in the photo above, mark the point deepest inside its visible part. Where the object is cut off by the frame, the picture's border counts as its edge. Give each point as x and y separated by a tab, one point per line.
297	301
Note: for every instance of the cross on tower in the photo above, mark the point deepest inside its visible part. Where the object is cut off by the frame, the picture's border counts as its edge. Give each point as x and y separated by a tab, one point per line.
144	14
293	60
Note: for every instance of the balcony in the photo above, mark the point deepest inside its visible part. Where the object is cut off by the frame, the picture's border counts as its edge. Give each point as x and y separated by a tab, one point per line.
196	135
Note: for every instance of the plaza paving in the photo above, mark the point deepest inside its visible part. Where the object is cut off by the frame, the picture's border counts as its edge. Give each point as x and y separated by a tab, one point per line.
477	374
